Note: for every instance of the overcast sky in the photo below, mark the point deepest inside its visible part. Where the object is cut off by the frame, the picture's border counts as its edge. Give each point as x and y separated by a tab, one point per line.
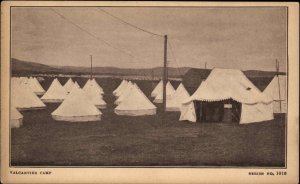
244	38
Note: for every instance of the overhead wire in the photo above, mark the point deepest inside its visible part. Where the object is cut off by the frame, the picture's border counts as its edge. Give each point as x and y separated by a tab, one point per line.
129	24
94	36
173	55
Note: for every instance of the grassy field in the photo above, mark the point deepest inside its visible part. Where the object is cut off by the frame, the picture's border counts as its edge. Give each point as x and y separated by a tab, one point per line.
143	141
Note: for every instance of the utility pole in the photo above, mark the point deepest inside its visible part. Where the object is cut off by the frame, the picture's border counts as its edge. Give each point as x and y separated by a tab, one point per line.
91	66
165	73
277	73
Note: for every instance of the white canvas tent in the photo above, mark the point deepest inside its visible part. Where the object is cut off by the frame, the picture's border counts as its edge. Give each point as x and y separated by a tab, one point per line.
95	96
23	98
16	118
77	108
123	89
87	84
135	104
97	86
94	92
55	93
157	88
23	79
224	84
123	83
175	101
169	92
75	86
277	91
92	85
35	86
125	93
68	85
15	81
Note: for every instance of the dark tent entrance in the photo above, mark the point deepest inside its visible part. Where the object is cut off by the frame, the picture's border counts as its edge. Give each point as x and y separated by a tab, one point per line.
220	111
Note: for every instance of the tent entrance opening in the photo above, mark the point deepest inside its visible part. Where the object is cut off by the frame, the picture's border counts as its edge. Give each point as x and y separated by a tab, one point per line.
221	111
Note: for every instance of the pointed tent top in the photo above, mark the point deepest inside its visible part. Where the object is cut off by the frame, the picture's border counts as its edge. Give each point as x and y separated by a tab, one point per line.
24	98
95	84
170	86
180	86
176	100
224	84
169	92
156	90
55	93
77	104
87	84
137	100
92	85
125	93
68	85
117	90
278	84
75	86
35	86
121	91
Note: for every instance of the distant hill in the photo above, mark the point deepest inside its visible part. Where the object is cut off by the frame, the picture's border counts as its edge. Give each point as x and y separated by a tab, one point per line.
20	67
158	71
25	67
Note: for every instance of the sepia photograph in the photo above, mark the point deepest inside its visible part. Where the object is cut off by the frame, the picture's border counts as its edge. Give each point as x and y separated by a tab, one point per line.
148	87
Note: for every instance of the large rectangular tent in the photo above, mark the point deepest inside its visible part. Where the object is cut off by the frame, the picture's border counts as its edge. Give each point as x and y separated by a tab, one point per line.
227	95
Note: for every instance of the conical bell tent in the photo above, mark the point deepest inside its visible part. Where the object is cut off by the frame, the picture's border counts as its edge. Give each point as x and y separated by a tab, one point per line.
277	91
157	89
16	118
123	83
35	86
77	108
136	104
97	86
56	93
23	98
69	84
169	92
121	91
92	85
124	94
95	96
175	101
75	86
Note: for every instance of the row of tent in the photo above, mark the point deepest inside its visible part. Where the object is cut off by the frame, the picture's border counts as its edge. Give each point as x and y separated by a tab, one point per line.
83	104
24	93
227	84
76	104
80	105
130	100
57	93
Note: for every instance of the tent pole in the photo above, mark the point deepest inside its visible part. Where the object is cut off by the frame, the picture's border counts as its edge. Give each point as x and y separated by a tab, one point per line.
165	73
277	69
91	67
